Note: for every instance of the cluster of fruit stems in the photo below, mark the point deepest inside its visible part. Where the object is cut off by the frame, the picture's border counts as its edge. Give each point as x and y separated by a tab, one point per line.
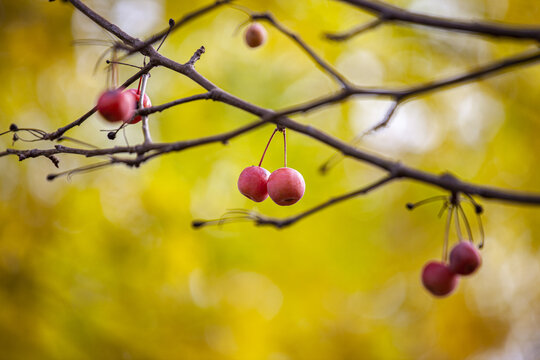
455	211
396	170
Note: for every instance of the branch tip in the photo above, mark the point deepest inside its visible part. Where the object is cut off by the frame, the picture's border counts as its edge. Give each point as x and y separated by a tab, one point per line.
198	223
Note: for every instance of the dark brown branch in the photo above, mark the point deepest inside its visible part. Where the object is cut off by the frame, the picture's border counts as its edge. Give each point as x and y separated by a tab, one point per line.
155	148
444	181
393	13
355	31
394	169
487	70
385	120
160	108
281	223
312	54
179	23
400	95
105	24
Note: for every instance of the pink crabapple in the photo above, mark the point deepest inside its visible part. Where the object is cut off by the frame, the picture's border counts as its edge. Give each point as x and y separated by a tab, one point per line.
116	105
255	35
146	103
438	279
464	258
286	186
252	183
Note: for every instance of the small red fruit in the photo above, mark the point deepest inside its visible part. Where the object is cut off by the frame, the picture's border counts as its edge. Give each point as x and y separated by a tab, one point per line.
116	105
255	35
464	258
137	96
438	279
252	183
286	186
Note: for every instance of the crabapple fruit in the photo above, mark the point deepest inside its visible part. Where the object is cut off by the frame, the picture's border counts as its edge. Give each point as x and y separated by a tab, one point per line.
137	96
116	105
255	35
464	258
438	279
286	186
252	183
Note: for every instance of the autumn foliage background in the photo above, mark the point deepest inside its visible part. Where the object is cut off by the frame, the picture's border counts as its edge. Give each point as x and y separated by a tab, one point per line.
106	265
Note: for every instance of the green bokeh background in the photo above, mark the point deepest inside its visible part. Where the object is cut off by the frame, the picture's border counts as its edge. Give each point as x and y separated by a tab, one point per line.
105	265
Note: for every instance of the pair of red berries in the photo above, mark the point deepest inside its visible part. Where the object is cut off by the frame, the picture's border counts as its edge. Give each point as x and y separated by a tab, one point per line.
118	105
441	279
285	186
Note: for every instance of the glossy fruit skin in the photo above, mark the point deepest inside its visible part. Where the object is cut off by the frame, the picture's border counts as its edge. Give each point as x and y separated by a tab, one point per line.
438	279
116	105
255	35
465	258
286	186
252	183
136	96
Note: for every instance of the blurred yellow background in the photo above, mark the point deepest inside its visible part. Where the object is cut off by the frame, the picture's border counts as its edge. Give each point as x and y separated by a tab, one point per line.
106	265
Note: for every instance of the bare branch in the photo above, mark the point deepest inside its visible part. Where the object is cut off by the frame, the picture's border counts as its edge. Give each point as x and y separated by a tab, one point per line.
393	13
179	23
156	148
346	35
281	223
384	121
394	169
160	108
312	54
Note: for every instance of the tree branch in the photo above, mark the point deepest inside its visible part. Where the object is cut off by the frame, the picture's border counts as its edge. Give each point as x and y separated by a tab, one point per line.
392	13
298	40
157	148
346	35
394	169
281	223
179	23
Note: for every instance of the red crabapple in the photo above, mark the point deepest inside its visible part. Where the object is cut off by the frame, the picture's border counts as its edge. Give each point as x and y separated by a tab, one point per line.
137	96
255	35
464	258
286	186
252	183
438	279
116	105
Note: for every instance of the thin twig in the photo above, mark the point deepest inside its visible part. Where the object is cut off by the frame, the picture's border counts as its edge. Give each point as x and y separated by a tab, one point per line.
298	40
360	29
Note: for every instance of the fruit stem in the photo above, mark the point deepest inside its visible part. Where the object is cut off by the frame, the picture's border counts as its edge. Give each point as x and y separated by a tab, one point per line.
458	225
412	206
466	222
481	230
145	128
284	148
446	232
139	87
114	67
266	148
